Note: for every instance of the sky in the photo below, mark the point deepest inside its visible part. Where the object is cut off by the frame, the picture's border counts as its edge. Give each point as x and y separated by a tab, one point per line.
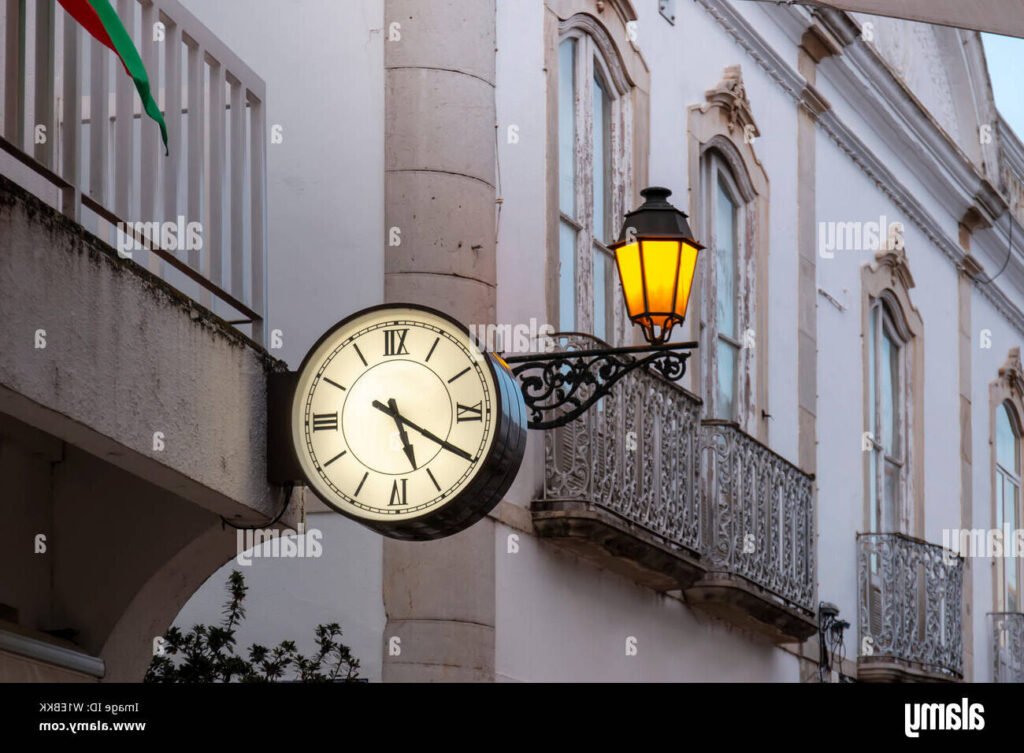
1005	65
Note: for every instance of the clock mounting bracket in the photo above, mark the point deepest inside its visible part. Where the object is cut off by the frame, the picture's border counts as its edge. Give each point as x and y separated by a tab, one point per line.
282	463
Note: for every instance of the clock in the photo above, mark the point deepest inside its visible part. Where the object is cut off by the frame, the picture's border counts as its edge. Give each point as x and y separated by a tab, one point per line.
402	423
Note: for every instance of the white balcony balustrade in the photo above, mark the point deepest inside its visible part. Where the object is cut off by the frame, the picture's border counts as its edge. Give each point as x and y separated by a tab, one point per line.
73	132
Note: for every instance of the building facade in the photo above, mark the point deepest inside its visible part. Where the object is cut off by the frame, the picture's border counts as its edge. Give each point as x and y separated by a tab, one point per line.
855	403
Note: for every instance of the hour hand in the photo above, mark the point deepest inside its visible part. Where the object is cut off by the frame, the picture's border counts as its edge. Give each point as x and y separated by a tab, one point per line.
393	412
406	445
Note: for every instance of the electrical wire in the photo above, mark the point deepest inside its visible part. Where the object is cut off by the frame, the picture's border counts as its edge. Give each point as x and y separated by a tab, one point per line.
287	501
1009	255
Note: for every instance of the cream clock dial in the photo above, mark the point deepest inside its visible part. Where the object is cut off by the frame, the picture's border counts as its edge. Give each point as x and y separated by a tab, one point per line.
401	422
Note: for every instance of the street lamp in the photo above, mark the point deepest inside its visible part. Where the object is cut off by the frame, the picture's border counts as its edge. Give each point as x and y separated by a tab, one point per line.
656	256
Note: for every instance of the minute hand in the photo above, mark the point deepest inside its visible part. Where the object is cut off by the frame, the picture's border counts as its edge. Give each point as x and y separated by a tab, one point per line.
428	434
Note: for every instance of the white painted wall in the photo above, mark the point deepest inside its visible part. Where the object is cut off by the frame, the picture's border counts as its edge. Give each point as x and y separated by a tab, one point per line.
323	64
322	61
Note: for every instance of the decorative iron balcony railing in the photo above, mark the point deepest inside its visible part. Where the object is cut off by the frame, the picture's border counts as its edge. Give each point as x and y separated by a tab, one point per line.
910	603
74	133
1008	646
643	454
634	454
758	510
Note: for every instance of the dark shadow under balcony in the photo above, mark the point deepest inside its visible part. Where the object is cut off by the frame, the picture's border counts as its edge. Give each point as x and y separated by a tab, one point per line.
909	610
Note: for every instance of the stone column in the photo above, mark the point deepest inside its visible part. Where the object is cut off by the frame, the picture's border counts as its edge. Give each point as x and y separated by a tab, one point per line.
439	212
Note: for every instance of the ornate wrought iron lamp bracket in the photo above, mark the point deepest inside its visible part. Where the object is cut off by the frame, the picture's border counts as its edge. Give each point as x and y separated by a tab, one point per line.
559	387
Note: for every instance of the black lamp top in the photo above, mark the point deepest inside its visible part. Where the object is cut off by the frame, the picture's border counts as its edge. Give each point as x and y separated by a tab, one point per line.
656	217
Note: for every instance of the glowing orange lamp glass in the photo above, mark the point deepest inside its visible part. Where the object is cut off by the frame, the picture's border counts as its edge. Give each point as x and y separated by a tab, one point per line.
657	257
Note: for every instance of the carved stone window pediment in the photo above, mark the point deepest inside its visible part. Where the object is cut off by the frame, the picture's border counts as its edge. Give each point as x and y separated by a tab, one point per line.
730	94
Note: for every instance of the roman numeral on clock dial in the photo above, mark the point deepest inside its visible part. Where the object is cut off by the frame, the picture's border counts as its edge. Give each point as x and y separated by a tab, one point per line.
325	421
398	493
466	413
394	342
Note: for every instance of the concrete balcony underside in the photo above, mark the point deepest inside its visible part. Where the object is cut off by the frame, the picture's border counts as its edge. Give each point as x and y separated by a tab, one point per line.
888	669
742	602
613	542
131	420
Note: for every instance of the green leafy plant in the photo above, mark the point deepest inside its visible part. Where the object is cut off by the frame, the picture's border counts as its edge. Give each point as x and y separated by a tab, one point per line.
207	653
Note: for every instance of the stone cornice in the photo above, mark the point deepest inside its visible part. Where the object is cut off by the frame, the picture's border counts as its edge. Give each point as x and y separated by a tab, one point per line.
1011	149
954	181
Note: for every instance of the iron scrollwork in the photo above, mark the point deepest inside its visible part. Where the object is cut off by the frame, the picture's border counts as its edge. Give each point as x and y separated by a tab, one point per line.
559	387
911	597
1008	646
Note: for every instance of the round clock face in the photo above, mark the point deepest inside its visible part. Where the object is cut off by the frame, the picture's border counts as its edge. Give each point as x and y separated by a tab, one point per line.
396	416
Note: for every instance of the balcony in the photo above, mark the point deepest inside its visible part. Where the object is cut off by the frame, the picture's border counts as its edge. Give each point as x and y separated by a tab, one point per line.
640	486
131	375
619	486
759	536
1007	646
909	610
72	133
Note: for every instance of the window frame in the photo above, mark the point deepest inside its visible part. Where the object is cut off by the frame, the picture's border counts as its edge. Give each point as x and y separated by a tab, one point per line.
888	281
888	326
718	171
592	66
1000	476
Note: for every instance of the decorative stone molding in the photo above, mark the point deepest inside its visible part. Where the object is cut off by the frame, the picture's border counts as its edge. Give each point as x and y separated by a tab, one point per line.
731	95
895	261
1011	373
970	266
612	17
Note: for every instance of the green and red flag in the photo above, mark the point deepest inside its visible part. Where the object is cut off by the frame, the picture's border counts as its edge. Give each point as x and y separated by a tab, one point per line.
101	20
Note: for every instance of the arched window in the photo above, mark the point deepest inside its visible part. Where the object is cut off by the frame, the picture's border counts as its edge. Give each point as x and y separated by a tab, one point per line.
887	378
727	241
730	208
893	397
1007	503
594	170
